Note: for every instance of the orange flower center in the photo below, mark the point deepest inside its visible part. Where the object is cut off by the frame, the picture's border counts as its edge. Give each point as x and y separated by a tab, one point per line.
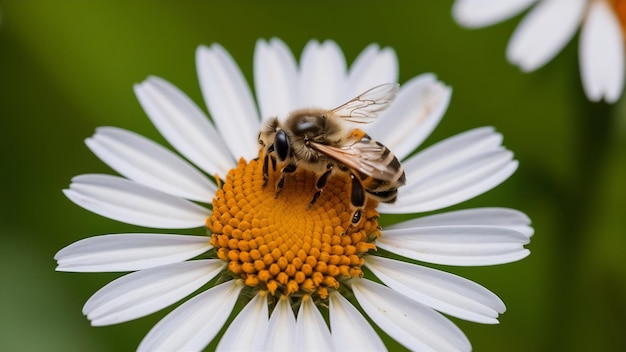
280	244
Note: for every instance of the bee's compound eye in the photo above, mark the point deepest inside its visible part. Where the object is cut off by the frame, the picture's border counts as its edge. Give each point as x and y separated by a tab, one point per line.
281	145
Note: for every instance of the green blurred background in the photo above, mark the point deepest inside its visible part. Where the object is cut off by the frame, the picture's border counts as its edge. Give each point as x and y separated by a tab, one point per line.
67	67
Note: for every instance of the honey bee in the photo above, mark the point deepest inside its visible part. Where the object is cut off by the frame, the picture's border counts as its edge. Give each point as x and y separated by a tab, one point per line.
318	140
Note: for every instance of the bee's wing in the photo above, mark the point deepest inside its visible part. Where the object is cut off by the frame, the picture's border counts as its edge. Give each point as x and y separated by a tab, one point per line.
366	107
370	158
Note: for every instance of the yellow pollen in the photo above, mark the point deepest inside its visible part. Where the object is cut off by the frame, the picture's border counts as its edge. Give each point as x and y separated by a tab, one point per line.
280	244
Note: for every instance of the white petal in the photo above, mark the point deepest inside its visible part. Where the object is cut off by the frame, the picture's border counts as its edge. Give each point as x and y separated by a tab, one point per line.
312	333
480	13
229	100
275	78
452	150
413	115
249	329
452	171
144	292
442	291
148	163
456	148
469	245
193	325
349	329
126	201
412	324
544	32
129	252
601	53
184	125
373	67
497	217
456	183
281	333
322	76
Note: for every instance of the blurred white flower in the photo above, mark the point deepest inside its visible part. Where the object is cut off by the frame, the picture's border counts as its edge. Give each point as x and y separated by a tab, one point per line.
550	25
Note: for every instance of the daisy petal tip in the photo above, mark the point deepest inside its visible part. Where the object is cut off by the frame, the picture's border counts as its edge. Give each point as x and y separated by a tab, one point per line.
524	67
276	40
70	194
478	14
387	51
94	323
202	49
489	321
99	322
612	98
62	266
147	81
488	129
137	89
460	16
428	77
516	59
512	258
593	93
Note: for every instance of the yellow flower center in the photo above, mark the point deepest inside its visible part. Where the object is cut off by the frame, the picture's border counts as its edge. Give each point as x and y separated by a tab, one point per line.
276	242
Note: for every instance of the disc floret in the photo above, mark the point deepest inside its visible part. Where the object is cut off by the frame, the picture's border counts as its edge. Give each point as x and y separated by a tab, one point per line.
282	244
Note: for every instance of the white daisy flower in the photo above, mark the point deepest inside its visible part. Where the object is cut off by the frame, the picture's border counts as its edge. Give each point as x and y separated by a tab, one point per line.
550	25
289	262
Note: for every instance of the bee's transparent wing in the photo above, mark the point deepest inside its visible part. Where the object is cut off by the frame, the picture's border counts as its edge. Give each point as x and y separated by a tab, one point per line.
369	158
366	107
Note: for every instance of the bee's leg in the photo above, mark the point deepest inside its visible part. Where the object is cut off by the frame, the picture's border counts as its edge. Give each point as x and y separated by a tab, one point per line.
289	169
266	159
357	198
357	193
320	184
265	166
